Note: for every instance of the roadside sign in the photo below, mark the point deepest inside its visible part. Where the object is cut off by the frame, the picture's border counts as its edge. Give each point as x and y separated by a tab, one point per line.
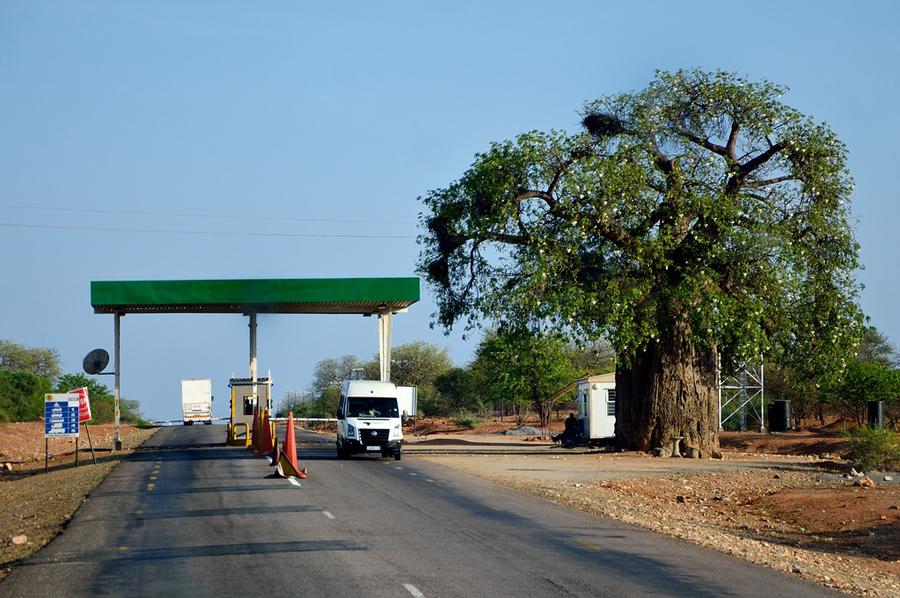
61	415
84	404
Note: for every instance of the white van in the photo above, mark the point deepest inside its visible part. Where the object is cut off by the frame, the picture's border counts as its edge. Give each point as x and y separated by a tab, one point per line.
368	419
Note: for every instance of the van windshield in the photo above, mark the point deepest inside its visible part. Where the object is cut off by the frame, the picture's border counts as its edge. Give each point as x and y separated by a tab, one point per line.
372	407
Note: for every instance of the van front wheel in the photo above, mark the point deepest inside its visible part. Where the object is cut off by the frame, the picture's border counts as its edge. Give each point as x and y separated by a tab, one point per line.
341	453
397	456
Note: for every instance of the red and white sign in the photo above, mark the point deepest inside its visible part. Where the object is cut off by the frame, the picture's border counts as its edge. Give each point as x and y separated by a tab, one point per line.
84	404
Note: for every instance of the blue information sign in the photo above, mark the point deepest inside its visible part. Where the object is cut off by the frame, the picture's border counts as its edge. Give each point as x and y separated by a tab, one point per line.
60	415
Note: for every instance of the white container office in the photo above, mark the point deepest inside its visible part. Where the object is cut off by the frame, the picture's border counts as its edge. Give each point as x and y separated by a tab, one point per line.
596	401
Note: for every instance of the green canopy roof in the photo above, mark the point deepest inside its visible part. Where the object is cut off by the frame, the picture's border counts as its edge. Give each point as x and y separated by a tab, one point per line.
284	296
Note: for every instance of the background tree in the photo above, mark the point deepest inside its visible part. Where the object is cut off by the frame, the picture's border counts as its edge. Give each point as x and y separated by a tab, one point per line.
326	383
38	361
302	404
593	358
417	364
458	392
22	396
876	347
863	381
524	368
804	393
698	218
26	375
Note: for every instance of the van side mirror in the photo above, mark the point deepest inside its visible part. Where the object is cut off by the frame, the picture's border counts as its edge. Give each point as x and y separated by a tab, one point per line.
339	414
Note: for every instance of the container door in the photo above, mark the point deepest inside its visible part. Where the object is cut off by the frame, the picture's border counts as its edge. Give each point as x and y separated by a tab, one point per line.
609	413
598	412
584	410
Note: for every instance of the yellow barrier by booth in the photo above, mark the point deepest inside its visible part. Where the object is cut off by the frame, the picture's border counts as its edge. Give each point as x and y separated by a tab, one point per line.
239	434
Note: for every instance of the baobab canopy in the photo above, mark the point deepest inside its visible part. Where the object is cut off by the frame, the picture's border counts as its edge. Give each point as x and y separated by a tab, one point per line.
699	217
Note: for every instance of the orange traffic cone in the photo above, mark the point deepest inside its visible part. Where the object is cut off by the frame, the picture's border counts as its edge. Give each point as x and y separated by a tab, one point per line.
287	462
273	456
265	446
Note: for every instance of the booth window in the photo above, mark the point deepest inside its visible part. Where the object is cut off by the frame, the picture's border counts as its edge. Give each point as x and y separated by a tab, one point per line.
611	401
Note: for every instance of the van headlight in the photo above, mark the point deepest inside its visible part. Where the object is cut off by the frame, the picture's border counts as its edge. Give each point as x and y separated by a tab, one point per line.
351	431
397	431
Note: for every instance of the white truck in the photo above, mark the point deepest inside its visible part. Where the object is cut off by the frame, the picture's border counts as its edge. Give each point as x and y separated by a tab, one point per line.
196	401
368	419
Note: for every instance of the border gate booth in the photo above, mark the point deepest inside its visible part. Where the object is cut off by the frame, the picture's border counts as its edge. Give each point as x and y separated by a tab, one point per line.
242	405
596	400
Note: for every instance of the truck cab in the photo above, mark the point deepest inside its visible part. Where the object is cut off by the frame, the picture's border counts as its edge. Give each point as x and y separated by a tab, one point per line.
368	419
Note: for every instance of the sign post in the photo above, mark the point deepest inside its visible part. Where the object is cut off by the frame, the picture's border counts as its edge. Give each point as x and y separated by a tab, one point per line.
84	416
60	420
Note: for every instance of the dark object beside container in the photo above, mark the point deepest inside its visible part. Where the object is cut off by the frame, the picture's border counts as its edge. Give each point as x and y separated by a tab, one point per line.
875	412
779	416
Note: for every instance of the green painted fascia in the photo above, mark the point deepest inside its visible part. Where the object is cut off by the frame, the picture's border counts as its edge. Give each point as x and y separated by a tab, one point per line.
253	291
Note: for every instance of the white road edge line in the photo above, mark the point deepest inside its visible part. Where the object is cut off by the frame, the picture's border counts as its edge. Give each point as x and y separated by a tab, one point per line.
295	482
413	590
327	514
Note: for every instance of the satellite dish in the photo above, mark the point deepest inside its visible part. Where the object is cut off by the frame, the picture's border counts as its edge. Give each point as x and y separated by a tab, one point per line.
95	361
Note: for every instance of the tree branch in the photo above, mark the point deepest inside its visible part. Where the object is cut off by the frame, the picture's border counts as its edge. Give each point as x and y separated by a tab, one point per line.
731	145
767	182
706	143
663	162
508	238
531	194
759	160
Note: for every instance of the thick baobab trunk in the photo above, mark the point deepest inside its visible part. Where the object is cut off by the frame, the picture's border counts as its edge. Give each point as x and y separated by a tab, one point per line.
670	391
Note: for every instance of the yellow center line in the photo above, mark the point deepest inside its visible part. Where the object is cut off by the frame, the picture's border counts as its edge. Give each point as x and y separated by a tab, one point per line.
150	487
590	545
123	548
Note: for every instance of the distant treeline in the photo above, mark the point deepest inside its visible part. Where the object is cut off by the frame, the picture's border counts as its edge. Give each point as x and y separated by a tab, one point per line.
28	373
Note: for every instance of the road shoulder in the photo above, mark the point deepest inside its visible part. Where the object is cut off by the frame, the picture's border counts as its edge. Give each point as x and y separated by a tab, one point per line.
731	506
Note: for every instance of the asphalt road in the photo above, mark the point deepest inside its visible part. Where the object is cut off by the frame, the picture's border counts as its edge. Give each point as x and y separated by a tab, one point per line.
190	517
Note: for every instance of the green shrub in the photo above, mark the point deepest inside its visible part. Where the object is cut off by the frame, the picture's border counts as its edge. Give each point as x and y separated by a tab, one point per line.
22	396
467	420
874	448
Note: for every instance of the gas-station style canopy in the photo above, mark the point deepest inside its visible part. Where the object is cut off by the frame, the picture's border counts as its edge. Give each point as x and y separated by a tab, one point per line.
366	296
380	297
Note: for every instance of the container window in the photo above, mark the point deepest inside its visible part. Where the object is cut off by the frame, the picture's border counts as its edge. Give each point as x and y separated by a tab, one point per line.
611	402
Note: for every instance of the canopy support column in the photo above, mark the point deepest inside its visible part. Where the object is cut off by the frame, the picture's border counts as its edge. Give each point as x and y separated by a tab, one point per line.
117	326
385	324
252	315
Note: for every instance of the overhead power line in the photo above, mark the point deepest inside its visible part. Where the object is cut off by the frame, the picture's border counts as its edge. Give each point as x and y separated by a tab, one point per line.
198	215
210	233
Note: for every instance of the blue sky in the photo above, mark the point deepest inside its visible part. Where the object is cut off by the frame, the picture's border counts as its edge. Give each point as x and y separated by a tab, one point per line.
221	117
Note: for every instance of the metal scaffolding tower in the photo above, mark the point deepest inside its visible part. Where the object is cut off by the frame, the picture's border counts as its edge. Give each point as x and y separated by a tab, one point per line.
742	393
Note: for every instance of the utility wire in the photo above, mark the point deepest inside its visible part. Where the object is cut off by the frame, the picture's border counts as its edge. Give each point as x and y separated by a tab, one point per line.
204	232
188	215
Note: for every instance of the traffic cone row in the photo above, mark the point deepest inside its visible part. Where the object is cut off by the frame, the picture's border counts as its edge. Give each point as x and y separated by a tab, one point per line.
265	442
287	461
